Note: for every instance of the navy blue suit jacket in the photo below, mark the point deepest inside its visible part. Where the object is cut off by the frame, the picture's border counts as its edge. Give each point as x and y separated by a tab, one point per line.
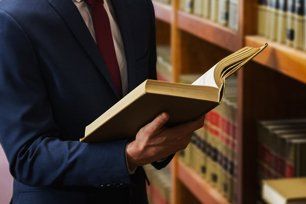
53	82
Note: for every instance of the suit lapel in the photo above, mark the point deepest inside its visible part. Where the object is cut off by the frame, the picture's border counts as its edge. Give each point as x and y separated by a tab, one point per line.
121	9
70	14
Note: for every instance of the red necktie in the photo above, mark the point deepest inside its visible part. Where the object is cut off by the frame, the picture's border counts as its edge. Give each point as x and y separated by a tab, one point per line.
105	41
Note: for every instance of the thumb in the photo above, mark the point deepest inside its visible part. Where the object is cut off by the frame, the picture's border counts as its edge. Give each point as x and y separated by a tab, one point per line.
157	124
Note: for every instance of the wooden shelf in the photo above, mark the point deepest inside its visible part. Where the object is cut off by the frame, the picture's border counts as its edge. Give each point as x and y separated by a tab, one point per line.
162	11
287	60
156	196
209	31
199	187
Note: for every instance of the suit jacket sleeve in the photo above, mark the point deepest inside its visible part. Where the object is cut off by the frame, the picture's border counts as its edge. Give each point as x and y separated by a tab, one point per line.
28	132
153	75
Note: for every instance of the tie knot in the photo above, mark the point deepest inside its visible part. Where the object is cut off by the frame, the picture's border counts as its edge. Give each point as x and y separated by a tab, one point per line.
94	2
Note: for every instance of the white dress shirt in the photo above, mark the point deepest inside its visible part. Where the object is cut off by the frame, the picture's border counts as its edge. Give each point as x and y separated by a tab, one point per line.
118	43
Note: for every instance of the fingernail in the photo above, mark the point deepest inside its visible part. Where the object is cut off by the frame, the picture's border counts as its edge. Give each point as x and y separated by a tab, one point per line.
165	115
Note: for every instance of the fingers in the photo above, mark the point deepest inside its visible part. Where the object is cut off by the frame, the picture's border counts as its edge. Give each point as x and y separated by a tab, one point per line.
156	124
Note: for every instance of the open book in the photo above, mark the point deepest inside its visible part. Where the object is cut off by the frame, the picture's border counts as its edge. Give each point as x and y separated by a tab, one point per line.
183	102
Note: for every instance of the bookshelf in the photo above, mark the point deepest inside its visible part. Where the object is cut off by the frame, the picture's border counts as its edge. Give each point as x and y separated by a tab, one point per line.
200	188
163	12
209	31
192	40
282	58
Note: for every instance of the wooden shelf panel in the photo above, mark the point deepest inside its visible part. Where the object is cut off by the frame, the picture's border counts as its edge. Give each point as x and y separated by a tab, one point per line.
287	60
209	31
199	187
163	12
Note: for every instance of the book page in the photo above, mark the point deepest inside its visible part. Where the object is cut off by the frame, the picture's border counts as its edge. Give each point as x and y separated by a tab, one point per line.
207	79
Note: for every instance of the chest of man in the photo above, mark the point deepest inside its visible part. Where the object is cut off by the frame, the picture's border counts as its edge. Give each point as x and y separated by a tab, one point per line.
75	76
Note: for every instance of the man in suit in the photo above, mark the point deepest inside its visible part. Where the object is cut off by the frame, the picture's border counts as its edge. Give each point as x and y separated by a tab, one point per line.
62	64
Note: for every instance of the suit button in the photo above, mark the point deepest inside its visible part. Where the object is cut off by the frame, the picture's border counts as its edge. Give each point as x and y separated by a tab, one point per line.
102	186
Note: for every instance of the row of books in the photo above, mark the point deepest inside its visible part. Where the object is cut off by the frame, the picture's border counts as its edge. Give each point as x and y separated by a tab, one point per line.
213	150
223	12
282	148
283	21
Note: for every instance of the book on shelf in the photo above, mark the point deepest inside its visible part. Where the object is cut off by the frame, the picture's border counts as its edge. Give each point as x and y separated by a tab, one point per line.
233	14
206	8
197	10
299	24
262	13
187	6
223	13
214	9
183	102
304	29
290	30
273	7
284	191
212	152
282	15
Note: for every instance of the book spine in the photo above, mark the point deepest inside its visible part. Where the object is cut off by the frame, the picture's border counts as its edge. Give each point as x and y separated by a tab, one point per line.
268	19
282	15
290	31
226	125
273	19
214	10
209	149
219	113
193	151
234	153
212	132
189	6
290	163
261	17
182	5
206	8
198	7
233	14
304	24
298	24
223	12
203	146
198	151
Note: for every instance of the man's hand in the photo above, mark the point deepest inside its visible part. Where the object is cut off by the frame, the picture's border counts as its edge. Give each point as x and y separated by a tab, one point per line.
154	142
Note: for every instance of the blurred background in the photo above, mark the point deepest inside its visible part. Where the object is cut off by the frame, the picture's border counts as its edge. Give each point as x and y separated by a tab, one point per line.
258	134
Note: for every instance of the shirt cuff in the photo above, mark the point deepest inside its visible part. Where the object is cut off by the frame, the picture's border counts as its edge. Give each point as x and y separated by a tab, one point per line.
131	171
